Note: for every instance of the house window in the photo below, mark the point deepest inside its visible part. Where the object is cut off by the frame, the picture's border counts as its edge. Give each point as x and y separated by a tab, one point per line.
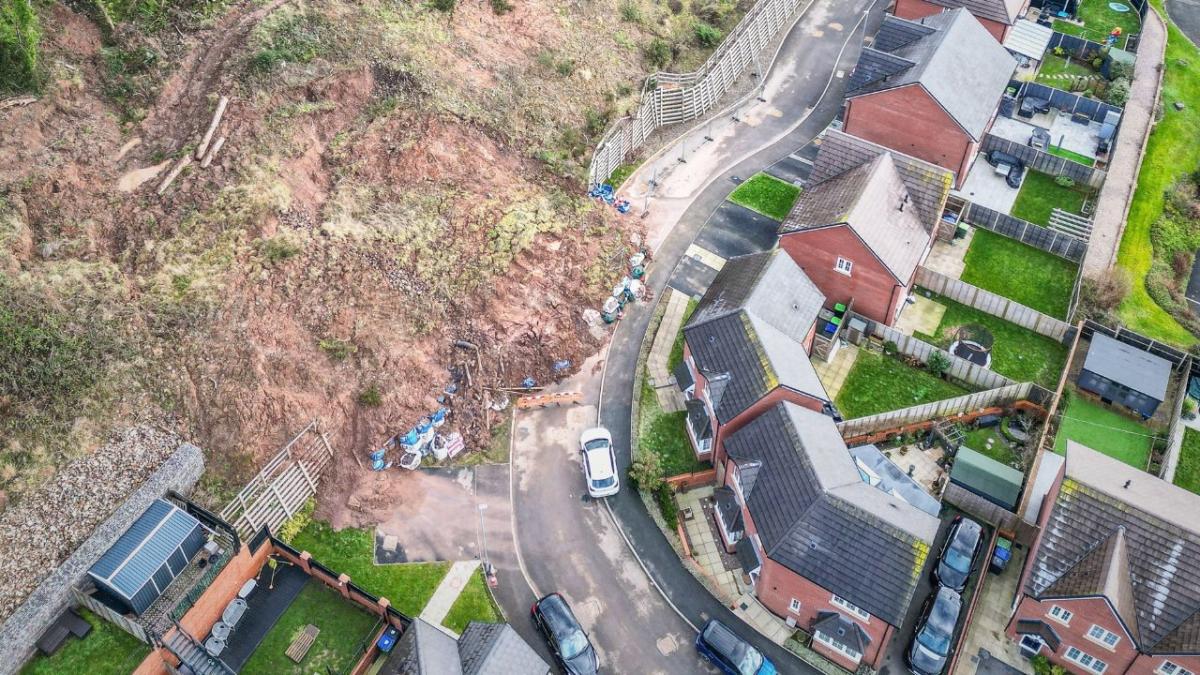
844	266
1169	668
850	607
794	605
834	644
1103	636
1061	615
1086	660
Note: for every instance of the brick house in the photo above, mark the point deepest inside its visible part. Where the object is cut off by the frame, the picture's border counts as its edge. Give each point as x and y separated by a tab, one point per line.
929	89
746	346
1112	584
997	16
821	547
859	237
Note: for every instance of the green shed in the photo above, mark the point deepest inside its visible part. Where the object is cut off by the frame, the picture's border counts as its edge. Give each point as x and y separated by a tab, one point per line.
984	476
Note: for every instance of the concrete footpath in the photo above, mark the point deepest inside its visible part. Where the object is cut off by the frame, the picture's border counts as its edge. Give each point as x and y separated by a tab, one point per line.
1112	207
447	592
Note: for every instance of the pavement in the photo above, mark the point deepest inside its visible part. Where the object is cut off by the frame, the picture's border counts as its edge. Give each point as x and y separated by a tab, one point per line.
447	592
1186	15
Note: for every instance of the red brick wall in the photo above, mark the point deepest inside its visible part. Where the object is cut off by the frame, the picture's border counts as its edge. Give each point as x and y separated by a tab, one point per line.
907	120
1087	612
870	283
1146	664
918	9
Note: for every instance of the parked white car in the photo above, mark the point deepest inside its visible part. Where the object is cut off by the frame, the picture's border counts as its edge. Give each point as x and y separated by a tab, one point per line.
599	463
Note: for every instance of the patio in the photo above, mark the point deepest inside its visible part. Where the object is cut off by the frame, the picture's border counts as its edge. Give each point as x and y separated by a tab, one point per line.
949	257
985	638
987	188
264	606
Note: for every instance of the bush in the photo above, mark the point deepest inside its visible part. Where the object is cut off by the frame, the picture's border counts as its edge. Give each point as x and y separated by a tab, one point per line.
371	397
277	249
1120	69
338	350
658	53
630	12
597	122
646	472
565	67
706	35
299	520
501	6
891	348
1099	298
938	363
1189	408
1064	181
446	6
1118	91
1059	51
20	36
665	497
293	37
676	6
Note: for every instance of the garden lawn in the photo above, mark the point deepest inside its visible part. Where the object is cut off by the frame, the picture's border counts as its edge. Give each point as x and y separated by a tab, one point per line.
1030	276
1171	152
344	626
1053	67
107	650
1018	353
879	383
976	439
664	434
1105	431
473	604
1040	195
1099	20
676	356
1073	156
1187	472
350	551
767	195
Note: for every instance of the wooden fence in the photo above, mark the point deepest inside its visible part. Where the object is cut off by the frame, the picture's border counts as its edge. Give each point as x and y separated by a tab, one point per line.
981	508
283	485
1044	161
100	609
996	305
960	369
671	98
1051	241
1177	429
938	409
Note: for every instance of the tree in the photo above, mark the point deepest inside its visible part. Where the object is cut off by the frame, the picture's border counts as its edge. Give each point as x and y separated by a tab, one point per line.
646	472
658	52
938	363
20	34
1118	91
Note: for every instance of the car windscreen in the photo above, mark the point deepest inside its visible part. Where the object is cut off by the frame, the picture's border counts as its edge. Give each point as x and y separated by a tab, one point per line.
596	444
573	644
567	632
934	640
605	482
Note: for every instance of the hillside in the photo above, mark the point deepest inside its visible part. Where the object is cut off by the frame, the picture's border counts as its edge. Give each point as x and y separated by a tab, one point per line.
394	176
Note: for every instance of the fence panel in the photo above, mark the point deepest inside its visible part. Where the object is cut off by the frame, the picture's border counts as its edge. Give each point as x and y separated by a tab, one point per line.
1044	161
1051	241
100	609
1177	429
1068	102
672	98
996	305
960	369
1073	44
935	410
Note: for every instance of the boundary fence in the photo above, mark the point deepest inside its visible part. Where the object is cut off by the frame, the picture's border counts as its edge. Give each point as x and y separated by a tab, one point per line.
937	409
960	369
671	98
1066	102
1044	161
996	305
1175	432
1051	241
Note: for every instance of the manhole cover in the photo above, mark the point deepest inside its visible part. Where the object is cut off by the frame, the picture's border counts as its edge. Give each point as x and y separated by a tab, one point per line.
667	645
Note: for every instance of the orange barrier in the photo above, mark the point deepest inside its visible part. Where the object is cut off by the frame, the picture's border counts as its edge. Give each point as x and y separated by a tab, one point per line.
546	400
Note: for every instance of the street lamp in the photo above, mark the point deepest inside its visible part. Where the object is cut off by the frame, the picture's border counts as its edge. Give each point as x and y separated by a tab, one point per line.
488	570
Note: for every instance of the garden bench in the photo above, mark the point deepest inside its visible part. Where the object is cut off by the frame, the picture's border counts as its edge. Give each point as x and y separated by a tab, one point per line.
303	642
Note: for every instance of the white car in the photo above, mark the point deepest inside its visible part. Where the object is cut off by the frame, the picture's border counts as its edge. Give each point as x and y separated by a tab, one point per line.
599	463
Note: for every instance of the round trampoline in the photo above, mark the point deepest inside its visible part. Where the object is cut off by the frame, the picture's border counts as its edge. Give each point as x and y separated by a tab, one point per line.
973	343
1118	7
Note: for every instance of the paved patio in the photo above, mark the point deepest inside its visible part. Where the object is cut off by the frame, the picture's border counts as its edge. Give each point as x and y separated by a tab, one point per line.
922	315
949	257
722	569
986	187
921	465
833	375
985	641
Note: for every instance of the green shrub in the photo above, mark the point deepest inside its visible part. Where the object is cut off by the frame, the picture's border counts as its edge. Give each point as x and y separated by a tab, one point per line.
890	348
1118	91
20	36
938	363
277	249
299	520
446	6
371	397
706	35
1120	69
1064	181
288	37
646	472
565	67
596	121
501	7
338	350
658	53
1059	51
665	497
630	12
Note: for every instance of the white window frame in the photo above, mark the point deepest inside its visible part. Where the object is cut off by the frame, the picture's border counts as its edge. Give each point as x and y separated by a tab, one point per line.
844	266
1102	636
1085	659
854	610
1057	613
794	606
832	643
1169	667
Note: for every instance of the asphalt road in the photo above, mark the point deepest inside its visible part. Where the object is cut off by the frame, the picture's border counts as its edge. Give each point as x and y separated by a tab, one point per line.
1186	15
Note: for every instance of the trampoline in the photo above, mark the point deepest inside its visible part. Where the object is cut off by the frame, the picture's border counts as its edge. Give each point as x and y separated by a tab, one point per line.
1118	7
973	343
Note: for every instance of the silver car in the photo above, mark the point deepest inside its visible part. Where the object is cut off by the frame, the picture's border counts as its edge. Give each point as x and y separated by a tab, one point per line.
599	463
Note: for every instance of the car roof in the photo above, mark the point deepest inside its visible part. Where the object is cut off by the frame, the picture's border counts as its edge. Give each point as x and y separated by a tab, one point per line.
595	433
720	637
966	527
558	614
946	607
600	463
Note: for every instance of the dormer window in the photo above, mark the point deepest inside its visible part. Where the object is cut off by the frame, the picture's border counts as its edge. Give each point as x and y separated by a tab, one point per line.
844	266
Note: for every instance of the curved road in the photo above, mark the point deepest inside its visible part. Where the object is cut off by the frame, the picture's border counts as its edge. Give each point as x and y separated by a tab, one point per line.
1186	15
573	545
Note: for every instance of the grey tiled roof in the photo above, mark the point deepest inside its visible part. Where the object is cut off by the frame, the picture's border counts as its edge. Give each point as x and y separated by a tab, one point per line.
959	64
873	201
816	517
728	507
496	649
843	629
423	650
1127	365
1003	11
928	184
1111	520
769	285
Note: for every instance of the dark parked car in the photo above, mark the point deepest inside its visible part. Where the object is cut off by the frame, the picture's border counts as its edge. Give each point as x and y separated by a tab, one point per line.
934	635
959	554
733	655
564	634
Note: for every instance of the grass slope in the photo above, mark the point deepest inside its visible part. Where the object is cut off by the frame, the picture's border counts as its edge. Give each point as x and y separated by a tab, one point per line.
351	551
1171	152
880	383
675	357
107	650
1040	195
344	625
1187	473
767	195
1018	353
1030	276
1105	431
664	434
473	604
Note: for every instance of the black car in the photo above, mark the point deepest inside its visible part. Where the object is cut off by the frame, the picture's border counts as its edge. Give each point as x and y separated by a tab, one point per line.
729	652
564	634
959	554
934	634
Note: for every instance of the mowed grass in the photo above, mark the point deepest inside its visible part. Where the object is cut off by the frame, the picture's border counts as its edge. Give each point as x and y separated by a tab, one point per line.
107	650
1073	156
351	551
1171	152
879	383
1040	195
473	604
1055	66
1187	472
343	624
1018	353
1103	430
1099	20
767	195
676	356
977	440
664	434
1030	276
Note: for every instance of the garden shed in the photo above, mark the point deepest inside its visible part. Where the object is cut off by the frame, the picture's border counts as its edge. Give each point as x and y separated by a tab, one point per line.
1124	374
136	570
979	474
